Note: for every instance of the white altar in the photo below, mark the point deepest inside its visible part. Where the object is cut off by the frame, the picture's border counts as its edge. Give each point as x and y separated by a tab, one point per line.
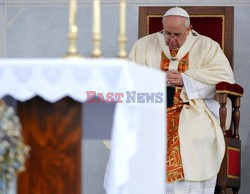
137	163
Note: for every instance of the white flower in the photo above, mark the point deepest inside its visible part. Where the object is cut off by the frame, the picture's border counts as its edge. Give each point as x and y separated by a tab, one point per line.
13	152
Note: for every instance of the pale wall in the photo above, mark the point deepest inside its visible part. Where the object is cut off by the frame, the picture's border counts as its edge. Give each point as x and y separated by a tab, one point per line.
38	28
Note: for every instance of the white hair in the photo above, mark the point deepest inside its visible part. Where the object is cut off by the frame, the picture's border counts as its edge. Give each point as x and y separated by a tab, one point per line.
187	22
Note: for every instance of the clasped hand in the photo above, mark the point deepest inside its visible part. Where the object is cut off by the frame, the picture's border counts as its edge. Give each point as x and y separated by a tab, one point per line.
174	78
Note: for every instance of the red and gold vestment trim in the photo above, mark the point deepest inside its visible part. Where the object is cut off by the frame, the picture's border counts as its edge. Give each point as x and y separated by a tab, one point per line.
174	163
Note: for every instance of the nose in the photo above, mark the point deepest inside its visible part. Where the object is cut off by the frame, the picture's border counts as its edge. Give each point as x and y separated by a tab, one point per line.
172	38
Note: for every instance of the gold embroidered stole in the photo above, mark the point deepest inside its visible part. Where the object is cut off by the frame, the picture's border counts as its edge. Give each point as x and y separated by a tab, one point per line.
174	163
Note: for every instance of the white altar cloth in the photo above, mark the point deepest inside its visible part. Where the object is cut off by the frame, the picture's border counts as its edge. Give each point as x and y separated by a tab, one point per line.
137	165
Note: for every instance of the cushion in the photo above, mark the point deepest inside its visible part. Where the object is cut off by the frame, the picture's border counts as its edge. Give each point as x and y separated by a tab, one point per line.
231	89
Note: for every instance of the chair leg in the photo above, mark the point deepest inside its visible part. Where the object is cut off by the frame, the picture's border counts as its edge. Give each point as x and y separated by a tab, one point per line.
221	190
235	190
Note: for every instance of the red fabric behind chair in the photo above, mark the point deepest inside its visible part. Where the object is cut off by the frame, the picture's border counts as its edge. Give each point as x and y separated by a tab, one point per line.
214	27
215	22
233	170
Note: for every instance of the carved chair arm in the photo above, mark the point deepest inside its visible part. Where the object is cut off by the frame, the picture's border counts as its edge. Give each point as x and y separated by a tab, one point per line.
234	92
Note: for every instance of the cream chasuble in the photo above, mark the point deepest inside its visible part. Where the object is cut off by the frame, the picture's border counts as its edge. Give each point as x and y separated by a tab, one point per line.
201	139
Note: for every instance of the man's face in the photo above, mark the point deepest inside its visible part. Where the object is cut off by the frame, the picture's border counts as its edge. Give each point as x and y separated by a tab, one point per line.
175	31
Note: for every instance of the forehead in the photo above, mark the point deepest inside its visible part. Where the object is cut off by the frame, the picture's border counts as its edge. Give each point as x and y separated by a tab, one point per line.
176	22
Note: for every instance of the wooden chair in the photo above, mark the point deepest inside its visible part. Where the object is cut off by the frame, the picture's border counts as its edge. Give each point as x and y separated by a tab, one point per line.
220	20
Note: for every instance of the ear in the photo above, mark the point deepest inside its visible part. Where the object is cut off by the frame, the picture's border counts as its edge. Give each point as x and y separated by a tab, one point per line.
189	29
162	22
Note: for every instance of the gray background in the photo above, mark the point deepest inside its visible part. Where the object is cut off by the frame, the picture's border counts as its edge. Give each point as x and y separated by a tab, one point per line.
38	29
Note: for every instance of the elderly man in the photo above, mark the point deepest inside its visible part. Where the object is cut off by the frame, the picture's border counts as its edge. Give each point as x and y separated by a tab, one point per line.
194	64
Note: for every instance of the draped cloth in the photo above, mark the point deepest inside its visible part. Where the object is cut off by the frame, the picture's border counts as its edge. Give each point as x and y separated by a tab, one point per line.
202	144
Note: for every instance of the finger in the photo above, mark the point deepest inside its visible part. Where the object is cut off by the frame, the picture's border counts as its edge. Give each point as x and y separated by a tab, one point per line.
174	72
171	75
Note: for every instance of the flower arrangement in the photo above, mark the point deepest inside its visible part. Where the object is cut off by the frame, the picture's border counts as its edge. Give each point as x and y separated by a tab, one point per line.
13	152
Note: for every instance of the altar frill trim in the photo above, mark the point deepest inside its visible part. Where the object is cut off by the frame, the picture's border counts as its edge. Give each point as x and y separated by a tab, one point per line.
53	79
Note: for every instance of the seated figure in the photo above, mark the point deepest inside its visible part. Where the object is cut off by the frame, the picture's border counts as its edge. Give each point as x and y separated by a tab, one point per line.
194	64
